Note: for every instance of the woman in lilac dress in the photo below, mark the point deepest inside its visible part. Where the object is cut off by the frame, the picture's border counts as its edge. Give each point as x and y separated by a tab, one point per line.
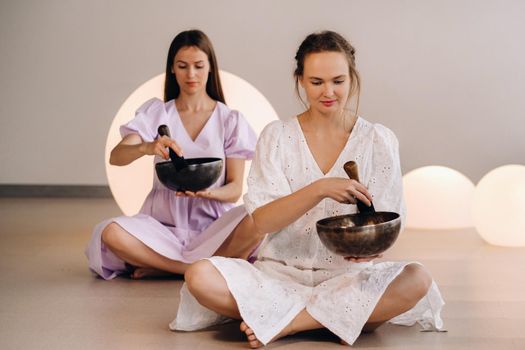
175	229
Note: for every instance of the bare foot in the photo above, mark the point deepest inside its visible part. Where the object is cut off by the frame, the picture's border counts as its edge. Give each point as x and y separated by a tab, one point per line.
254	342
144	272
252	339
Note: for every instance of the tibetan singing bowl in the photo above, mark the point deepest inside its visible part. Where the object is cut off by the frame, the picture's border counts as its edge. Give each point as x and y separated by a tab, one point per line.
359	235
367	233
198	174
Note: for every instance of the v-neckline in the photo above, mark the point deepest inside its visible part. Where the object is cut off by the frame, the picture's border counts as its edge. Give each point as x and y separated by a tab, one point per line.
213	112
312	158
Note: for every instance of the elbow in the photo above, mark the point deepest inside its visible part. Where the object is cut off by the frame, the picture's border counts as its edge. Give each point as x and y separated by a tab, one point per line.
236	196
236	192
258	224
112	159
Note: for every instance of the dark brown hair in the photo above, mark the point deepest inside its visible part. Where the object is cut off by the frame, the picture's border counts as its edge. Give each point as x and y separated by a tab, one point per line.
199	40
322	42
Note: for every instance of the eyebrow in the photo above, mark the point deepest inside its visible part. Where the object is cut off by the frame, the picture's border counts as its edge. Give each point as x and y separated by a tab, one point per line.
180	61
337	77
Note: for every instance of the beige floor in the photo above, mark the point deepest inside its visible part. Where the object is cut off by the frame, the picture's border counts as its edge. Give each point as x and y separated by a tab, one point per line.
49	300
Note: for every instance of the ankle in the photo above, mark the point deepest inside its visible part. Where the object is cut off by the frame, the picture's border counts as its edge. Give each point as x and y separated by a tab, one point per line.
290	329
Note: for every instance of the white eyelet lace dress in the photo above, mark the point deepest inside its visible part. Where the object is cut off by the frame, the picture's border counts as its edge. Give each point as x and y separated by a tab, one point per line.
294	270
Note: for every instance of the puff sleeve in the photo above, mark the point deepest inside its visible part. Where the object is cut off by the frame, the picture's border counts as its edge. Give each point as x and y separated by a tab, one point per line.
266	180
239	137
147	118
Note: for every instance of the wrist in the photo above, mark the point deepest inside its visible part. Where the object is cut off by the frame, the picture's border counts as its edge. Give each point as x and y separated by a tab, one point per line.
319	189
142	148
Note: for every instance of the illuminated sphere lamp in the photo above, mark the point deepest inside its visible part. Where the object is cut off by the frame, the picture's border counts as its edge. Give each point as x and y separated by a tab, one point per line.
438	197
499	206
131	184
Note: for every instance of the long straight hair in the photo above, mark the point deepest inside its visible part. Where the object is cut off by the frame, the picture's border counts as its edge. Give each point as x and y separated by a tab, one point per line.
198	39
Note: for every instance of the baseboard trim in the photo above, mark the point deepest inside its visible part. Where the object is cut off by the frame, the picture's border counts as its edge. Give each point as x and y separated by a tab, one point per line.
66	191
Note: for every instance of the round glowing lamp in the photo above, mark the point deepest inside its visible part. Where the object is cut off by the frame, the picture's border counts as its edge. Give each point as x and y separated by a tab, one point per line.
438	197
131	184
499	206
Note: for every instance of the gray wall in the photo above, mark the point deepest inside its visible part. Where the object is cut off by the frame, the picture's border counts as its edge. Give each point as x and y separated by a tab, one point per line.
446	76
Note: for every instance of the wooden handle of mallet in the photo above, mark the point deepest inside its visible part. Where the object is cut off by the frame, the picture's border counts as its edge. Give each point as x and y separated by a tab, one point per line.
352	171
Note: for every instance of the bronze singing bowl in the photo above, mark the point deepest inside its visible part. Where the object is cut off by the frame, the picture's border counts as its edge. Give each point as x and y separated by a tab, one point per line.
199	174
181	174
360	235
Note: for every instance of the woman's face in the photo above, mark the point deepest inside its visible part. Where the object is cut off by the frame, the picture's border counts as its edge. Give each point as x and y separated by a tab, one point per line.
191	68
326	81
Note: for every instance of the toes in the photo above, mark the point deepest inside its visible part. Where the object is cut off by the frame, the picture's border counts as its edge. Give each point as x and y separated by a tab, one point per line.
255	344
137	274
244	328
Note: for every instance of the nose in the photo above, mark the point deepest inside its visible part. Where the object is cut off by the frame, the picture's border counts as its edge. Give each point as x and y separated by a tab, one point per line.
328	90
191	72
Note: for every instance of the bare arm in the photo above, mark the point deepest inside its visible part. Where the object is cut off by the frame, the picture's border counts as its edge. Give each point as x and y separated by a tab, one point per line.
282	212
133	147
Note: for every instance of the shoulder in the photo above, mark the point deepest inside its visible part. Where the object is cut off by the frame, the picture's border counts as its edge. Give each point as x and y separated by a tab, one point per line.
229	117
270	139
234	122
377	132
277	129
226	112
151	106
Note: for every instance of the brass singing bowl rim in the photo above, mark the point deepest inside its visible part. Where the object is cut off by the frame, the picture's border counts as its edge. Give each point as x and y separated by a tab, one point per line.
193	163
330	223
200	173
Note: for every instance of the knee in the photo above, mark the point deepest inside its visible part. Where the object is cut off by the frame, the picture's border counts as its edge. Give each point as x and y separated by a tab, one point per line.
196	277
420	282
110	235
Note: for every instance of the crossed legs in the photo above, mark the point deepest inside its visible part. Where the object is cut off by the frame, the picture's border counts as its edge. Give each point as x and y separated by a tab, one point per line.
208	286
146	261
241	242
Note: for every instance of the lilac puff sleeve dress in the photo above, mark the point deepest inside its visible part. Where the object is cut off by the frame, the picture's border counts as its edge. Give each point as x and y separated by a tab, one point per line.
180	228
294	270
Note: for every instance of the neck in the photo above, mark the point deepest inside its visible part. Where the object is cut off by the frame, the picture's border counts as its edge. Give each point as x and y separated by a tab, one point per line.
340	120
194	102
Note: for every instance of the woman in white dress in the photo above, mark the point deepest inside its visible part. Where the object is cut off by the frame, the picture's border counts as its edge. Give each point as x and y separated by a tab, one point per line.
297	178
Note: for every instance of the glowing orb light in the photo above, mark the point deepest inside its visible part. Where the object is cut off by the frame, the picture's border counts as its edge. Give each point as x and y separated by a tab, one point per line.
130	184
499	206
438	197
